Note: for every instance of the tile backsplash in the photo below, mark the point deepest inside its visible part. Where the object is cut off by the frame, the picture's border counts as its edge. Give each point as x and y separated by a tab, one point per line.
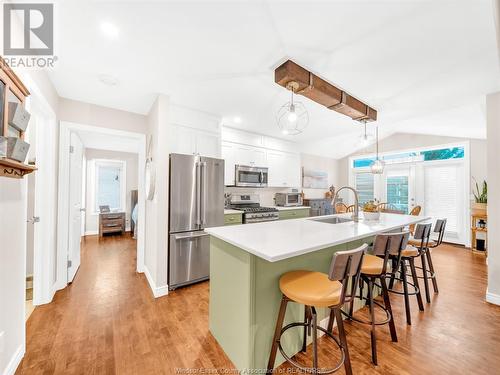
266	194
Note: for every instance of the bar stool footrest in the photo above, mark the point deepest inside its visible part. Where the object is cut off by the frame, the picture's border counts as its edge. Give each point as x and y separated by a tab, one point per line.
415	290
309	369
369	322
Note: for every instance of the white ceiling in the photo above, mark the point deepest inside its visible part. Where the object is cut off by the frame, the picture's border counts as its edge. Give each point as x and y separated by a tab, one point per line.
424	65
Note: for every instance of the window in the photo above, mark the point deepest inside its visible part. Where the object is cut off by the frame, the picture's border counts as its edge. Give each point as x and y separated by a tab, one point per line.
426	155
109	187
444	154
365	187
397	192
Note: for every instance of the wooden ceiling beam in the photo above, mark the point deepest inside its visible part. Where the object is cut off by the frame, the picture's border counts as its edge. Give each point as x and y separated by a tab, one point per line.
320	91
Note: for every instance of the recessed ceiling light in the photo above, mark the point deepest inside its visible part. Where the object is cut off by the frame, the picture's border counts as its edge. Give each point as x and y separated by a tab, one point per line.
108	80
237	120
110	30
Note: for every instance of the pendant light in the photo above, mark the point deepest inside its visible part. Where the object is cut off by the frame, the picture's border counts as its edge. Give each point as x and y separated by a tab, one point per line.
292	117
366	138
377	166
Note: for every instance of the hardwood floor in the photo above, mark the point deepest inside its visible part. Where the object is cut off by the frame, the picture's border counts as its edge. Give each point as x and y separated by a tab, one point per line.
107	322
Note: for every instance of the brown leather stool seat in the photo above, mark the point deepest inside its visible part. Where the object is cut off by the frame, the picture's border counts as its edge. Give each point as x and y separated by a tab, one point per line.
417	243
311	288
409	252
372	265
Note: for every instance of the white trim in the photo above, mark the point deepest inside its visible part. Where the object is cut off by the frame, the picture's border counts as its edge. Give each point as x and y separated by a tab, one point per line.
493	298
42	269
15	361
91	232
157	291
65	130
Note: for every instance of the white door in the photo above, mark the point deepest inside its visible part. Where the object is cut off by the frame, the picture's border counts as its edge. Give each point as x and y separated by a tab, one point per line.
444	195
75	205
398	187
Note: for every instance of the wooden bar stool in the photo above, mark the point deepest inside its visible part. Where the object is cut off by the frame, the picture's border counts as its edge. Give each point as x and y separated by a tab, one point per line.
316	289
373	269
408	255
426	259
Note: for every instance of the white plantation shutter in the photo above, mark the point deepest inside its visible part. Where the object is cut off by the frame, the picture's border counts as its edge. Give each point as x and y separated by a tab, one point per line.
444	197
365	186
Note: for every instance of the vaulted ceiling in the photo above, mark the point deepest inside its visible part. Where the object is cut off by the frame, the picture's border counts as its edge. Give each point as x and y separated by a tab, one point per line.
424	65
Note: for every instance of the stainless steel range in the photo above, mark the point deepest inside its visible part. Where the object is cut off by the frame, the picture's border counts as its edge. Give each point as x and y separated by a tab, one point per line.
253	212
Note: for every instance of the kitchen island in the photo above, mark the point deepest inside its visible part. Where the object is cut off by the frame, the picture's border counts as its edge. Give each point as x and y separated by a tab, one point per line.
246	262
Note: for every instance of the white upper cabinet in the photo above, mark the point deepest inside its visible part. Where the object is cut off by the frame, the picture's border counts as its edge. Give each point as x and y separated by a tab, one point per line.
284	169
228	154
249	155
194	132
239	147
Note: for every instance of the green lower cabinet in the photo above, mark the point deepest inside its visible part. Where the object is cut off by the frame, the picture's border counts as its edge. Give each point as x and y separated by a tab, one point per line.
233	219
294	213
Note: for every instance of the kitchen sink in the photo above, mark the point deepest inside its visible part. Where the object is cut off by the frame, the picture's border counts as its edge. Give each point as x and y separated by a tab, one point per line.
333	220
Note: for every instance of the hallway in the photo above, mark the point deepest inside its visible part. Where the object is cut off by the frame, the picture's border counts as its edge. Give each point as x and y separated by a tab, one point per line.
107	322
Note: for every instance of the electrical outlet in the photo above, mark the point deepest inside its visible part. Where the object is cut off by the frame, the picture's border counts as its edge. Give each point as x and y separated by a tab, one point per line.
2	341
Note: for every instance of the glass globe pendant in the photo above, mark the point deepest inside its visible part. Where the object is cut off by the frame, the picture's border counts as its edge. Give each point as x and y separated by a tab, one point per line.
378	165
292	117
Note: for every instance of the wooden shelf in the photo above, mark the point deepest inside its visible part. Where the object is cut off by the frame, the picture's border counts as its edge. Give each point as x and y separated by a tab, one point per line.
14	169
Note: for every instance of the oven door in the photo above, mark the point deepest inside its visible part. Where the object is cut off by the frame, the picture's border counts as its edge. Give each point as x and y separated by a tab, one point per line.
251	176
293	200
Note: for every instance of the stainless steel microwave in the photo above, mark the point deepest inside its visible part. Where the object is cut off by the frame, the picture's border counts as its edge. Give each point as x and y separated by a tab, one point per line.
288	199
248	176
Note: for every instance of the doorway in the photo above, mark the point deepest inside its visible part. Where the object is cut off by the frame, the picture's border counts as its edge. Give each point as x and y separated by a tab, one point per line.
79	201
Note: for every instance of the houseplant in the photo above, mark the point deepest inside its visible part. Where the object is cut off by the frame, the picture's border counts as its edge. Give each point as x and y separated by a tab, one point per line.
371	211
480	196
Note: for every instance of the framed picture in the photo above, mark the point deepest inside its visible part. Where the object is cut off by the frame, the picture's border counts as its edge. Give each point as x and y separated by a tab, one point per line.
313	179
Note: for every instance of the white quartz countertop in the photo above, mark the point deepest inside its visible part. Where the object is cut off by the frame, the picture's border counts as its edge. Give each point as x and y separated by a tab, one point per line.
281	208
229	211
279	240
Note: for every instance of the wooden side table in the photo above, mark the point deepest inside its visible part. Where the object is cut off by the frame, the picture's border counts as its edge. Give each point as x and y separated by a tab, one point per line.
111	222
476	216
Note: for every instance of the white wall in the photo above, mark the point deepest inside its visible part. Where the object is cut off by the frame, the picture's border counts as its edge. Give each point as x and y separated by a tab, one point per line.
403	141
493	129
157	209
91	218
90	114
332	166
13	207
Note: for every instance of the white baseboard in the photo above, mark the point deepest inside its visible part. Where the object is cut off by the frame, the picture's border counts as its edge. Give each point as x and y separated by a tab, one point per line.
493	298
157	291
15	361
91	232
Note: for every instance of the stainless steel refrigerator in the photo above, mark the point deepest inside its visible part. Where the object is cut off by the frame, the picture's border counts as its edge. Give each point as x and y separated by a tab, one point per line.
196	201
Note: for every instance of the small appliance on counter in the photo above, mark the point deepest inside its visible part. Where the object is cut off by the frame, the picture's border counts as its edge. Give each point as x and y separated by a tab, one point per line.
291	199
253	212
250	176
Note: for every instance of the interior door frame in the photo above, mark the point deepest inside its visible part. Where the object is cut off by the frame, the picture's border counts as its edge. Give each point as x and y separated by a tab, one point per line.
65	130
44	282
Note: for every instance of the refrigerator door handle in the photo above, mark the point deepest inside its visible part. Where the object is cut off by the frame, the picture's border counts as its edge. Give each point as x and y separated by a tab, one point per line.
198	194
189	236
203	194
